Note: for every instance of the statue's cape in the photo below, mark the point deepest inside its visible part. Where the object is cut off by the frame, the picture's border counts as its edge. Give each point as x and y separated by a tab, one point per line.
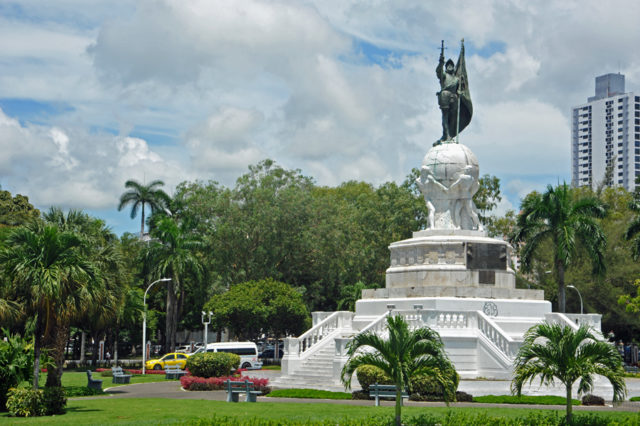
466	108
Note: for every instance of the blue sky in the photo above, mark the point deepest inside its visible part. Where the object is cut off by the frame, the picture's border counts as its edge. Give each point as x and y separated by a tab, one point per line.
95	93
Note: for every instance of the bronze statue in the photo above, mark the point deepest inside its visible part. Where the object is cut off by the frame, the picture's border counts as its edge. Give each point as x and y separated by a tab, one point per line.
453	98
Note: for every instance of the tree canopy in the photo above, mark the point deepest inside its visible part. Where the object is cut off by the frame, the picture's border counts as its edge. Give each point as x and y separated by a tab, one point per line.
266	306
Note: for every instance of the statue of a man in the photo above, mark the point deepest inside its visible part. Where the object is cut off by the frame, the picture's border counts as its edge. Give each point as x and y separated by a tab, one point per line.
453	98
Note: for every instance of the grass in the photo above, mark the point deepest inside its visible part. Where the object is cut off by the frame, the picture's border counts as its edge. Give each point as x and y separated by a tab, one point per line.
524	399
634	398
308	393
76	379
272	367
166	411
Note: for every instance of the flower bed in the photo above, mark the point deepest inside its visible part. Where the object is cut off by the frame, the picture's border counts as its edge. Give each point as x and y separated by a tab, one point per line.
192	383
100	370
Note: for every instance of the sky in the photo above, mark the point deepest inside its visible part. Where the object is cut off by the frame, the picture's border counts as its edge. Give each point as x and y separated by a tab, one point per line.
94	93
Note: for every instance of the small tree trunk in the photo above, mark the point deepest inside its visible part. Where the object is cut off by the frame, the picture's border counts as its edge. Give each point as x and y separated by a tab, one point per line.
561	288
142	223
116	335
36	351
170	336
82	347
569	404
398	405
60	339
96	347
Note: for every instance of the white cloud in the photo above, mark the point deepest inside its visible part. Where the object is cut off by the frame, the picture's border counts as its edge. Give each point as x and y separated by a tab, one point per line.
209	87
72	168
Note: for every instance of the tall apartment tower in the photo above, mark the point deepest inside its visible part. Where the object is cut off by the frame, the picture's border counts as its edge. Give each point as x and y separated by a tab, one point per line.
605	136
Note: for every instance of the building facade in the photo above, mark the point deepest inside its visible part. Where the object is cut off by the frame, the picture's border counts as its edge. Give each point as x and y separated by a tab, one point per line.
605	136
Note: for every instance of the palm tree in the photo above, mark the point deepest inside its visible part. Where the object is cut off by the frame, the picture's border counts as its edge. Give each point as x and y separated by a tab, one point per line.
139	195
633	230
101	247
554	351
49	277
405	354
557	217
173	255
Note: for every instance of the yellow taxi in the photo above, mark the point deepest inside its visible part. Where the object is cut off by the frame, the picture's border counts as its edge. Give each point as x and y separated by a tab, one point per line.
173	358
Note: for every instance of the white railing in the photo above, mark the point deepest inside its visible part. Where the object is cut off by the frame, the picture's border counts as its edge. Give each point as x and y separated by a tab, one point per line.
329	325
378	325
497	336
576	320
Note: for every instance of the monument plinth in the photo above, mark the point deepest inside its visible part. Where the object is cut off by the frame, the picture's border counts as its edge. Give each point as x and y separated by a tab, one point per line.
454	257
451	276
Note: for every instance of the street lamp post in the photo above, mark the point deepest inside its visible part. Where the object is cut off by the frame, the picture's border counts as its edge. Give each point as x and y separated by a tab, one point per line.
579	295
206	327
144	322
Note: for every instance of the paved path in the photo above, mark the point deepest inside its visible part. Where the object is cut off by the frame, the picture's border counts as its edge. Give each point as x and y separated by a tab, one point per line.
172	390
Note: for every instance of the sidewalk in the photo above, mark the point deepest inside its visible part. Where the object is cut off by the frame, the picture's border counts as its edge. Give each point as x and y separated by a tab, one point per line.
172	390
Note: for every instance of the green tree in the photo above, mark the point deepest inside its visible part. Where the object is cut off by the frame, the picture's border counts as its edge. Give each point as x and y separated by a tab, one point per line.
16	211
140	195
49	278
16	363
633	230
554	351
405	354
558	217
487	197
101	247
265	306
173	254
350	294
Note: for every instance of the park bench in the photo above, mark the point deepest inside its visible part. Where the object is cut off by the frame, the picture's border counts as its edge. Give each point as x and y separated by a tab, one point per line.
173	372
384	391
119	376
93	383
234	389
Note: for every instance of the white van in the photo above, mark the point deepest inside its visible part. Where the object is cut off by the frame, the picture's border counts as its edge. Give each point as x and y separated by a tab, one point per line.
248	352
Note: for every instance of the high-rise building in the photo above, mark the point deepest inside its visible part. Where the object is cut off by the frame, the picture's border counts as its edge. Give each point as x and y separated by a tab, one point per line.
605	136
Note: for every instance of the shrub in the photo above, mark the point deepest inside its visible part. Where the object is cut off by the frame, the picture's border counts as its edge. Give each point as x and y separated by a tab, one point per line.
24	402
360	394
368	375
463	397
16	364
107	373
592	400
72	391
426	385
212	364
192	383
55	400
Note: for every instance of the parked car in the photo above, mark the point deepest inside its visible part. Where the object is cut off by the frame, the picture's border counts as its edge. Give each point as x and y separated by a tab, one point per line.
248	352
270	354
186	349
173	358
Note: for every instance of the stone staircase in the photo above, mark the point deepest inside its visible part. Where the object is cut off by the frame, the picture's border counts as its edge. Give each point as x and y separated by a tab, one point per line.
316	372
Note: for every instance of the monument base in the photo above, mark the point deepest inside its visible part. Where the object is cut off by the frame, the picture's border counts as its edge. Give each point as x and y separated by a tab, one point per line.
451	263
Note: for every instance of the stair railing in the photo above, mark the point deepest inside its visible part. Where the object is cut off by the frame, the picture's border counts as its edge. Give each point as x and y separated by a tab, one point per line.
492	331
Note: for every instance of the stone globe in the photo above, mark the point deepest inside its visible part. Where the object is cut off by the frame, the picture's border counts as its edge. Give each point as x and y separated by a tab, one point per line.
446	161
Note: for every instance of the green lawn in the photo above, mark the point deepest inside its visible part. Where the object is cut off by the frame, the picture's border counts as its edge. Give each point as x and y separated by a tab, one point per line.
77	378
165	411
